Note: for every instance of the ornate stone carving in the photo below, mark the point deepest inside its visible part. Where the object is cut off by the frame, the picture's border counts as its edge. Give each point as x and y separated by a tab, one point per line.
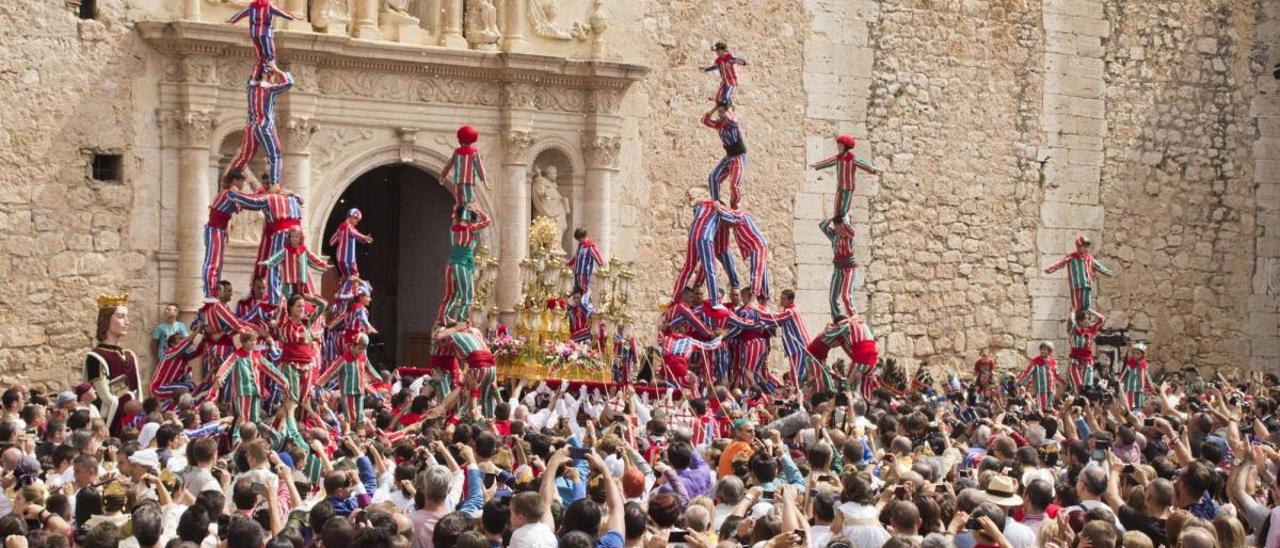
517	145
408	138
246	228
603	150
542	18
199	69
299	134
197	128
305	77
330	144
599	23
398	87
604	101
482	25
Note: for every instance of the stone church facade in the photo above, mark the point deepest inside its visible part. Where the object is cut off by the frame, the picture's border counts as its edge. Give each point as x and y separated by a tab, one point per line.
1004	128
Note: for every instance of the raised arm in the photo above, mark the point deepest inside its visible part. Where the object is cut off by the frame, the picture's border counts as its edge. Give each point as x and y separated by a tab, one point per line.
282	13
239	16
865	165
1058	265
824	164
1101	269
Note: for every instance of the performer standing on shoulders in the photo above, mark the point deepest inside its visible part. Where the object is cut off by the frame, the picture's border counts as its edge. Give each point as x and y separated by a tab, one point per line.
459	274
283	212
215	230
733	167
724	63
1081	269
262	33
344	239
260	128
109	363
847	166
840	232
296	262
464	167
1082	334
585	260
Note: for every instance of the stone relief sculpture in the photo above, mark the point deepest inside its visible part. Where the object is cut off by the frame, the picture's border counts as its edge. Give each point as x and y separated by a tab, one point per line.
542	16
547	200
330	16
482	24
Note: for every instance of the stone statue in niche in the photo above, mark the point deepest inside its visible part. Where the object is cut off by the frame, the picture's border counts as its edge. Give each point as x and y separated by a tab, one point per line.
542	16
330	16
399	7
547	200
482	24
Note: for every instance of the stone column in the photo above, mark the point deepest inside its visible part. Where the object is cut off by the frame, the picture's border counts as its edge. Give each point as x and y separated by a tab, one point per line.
515	21
366	20
297	156
451	26
193	199
514	218
191	10
597	202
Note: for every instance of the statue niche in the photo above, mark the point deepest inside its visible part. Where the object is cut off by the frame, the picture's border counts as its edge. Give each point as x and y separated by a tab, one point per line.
482	25
548	201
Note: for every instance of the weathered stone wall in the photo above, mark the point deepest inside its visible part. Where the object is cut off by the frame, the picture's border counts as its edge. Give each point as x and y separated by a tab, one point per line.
1177	182
1264	299
66	238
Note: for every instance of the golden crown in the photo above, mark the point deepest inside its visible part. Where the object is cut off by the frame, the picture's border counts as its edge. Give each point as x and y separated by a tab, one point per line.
112	301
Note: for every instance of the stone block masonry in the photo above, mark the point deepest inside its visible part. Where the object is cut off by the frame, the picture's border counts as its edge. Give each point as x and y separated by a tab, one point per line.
1264	291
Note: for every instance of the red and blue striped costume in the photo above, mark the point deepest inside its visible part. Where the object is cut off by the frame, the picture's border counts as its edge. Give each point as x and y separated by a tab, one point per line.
215	239
857	341
585	261
751	351
260	127
733	167
173	372
459	273
701	250
256	312
1082	270
343	329
1044	373
755	250
724	63
260	14
677	348
580	319
222	325
1081	357
843	267
295	264
283	212
795	338
462	170
678	313
722	358
344	240
725	259
847	166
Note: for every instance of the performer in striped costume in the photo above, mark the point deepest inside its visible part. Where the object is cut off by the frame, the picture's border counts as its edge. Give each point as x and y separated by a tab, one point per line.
579	311
855	338
344	239
677	348
723	320
680	312
444	365
1082	269
585	260
220	327
847	166
260	125
721	249
795	336
733	167
751	347
840	232
459	273
215	231
482	372
282	211
243	369
724	63
255	308
1136	379
755	250
1082	335
464	167
296	262
1043	371
355	378
173	372
344	328
707	216
260	14
296	333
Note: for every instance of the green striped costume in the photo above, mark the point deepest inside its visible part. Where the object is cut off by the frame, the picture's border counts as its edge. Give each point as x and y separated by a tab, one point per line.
481	368
355	375
1081	271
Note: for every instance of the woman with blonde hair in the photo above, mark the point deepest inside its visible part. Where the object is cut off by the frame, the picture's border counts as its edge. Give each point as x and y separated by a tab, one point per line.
1230	532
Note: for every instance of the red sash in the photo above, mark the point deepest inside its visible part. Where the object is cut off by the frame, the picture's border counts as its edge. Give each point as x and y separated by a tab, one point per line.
281	226
218	219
